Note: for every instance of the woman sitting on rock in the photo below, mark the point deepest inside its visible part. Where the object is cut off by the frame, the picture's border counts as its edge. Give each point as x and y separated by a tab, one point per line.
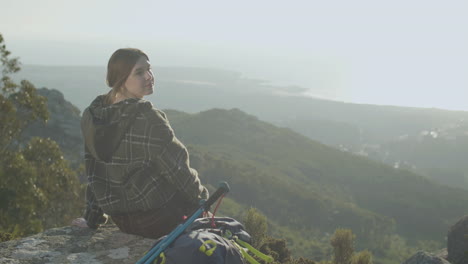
138	171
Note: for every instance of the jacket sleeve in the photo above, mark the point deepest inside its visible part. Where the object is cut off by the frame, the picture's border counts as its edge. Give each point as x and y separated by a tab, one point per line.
93	214
172	156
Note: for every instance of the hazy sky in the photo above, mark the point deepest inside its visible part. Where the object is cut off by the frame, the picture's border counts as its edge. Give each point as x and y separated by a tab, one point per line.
398	52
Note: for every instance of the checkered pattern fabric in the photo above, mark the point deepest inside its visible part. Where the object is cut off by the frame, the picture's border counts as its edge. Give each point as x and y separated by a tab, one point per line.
134	162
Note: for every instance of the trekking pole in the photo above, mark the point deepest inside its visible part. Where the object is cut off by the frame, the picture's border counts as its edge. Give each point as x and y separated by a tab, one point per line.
161	246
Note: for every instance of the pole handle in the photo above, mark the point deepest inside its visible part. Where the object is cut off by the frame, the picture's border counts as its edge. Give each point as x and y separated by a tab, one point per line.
222	189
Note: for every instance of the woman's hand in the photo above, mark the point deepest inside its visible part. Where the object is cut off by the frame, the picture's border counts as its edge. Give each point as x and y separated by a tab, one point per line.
80	222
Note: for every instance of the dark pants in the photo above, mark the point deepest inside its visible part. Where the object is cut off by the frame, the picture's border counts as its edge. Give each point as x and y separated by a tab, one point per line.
155	223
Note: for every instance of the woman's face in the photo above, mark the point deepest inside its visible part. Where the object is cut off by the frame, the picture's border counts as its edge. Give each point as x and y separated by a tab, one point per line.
140	82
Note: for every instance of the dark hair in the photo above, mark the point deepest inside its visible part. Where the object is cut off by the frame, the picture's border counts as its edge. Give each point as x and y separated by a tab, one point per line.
119	67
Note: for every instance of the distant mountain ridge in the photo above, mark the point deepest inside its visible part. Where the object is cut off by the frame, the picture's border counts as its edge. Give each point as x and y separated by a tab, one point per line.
432	142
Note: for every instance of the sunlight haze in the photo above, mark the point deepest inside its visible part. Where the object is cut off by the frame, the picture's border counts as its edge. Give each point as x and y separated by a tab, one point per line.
408	53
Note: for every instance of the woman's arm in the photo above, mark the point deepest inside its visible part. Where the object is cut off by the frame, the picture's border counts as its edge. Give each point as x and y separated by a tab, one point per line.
171	155
94	215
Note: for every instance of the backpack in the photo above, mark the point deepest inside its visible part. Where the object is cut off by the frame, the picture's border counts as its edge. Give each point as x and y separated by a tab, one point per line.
219	240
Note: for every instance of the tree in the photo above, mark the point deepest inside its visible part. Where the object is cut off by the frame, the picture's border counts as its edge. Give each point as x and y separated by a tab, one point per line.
256	226
342	242
19	104
37	187
363	257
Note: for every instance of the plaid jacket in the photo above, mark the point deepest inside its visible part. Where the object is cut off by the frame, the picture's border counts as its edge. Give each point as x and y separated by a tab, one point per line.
133	160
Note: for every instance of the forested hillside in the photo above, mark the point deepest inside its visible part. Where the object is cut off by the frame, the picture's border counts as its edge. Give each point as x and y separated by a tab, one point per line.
307	189
308	186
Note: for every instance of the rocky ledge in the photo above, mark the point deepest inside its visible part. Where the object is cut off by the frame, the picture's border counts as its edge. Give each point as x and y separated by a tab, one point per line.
76	245
108	244
457	248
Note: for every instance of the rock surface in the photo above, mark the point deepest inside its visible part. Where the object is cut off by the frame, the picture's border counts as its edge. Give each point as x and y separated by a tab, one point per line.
76	245
422	257
457	242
